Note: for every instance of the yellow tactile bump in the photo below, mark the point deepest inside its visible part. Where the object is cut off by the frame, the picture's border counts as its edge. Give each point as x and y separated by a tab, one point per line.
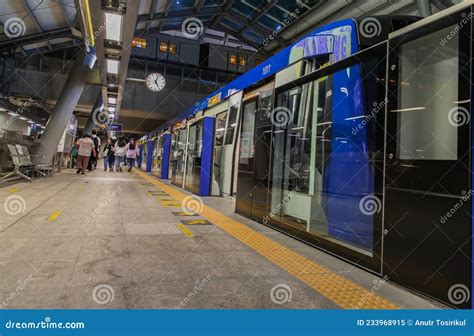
335	287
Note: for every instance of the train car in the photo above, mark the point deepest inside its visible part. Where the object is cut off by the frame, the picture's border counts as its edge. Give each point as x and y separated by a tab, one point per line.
356	140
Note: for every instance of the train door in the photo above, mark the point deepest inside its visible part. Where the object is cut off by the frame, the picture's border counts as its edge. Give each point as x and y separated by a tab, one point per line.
427	243
193	157
255	142
157	149
219	166
229	153
179	158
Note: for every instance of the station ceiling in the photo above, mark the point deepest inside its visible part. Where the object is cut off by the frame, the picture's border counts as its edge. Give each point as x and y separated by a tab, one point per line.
52	25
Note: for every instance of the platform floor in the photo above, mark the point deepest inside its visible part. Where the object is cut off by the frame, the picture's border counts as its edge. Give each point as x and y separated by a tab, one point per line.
120	240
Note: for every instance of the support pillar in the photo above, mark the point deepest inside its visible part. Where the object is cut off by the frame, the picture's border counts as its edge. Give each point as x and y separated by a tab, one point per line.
91	121
424	7
46	147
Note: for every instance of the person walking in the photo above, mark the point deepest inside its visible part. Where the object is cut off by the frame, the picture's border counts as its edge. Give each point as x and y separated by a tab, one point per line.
131	154
73	154
85	150
94	158
120	152
106	152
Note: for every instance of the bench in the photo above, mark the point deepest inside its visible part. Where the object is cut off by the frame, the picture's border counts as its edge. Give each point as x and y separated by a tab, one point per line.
23	166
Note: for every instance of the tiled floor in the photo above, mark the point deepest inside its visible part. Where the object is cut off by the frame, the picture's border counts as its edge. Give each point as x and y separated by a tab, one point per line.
114	245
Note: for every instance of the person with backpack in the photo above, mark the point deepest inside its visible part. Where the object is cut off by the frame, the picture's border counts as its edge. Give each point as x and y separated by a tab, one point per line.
131	154
120	153
93	159
108	151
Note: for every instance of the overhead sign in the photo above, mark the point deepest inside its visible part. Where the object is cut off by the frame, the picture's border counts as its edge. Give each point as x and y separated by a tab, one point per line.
115	127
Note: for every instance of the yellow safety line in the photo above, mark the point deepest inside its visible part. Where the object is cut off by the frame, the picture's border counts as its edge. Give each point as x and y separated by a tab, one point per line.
14	190
335	287
185	230
54	216
197	222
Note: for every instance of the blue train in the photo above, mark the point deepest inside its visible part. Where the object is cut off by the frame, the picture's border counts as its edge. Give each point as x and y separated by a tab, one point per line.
355	139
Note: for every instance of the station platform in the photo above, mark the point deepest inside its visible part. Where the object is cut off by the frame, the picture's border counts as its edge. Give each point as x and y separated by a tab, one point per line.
121	240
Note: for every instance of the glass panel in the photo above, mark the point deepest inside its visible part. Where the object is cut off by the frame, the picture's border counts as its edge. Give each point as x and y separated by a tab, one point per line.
428	98
232	123
246	137
191	155
328	157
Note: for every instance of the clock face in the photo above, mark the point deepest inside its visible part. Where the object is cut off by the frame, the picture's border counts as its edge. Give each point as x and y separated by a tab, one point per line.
155	81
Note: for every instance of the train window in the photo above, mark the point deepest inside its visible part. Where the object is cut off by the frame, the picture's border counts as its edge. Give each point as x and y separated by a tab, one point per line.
247	135
231	124
233	59
220	128
163	47
428	102
173	48
242	60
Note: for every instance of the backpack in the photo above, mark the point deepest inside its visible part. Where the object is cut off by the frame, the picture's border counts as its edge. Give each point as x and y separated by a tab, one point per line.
96	142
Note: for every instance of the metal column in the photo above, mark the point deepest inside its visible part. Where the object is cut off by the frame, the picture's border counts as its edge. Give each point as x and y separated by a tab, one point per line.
424	7
96	108
46	147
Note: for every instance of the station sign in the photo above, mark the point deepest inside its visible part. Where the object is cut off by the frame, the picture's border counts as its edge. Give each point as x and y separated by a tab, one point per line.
115	127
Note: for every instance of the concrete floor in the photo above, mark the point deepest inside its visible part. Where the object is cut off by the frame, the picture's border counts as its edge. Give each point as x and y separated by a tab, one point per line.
101	241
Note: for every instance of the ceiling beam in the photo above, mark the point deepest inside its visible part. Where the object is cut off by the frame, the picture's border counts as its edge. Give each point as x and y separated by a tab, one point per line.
227	6
37	38
198	5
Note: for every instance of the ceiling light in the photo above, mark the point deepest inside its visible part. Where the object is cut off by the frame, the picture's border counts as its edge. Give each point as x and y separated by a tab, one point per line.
112	100
112	66
31	121
23	118
2	109
113	25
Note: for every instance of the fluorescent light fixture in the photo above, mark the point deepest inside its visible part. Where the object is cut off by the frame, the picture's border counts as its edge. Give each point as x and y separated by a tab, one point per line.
410	109
31	121
13	114
113	66
2	109
23	118
112	100
113	27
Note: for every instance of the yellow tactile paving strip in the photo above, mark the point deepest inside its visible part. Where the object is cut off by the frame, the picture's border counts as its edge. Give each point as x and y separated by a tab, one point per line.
342	291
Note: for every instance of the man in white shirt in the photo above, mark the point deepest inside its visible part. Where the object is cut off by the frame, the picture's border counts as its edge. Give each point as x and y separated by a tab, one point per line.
85	150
